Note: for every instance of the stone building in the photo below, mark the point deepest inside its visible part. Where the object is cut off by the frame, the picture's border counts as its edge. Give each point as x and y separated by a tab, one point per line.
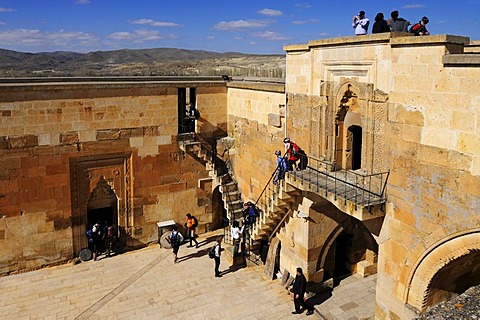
390	124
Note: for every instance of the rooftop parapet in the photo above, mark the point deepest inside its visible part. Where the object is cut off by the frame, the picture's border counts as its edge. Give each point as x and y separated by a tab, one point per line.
393	38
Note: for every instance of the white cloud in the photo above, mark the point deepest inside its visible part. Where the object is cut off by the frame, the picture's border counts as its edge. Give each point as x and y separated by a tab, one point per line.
37	39
270	36
2	23
304	5
7	10
210	38
311	21
239	24
414	6
82	1
154	23
270	12
141	35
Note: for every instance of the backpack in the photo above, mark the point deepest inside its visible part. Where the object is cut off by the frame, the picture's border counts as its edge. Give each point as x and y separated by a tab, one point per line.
90	235
196	113
211	252
195	222
176	239
284	164
415	28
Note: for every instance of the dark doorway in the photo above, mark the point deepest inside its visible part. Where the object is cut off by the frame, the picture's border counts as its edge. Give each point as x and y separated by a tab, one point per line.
454	278
182	98
104	215
356	150
343	245
185	96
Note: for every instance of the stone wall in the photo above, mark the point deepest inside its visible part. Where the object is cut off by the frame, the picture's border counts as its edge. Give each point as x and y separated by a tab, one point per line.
256	122
57	140
421	122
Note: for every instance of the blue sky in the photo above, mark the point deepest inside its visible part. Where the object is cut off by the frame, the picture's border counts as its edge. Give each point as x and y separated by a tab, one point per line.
260	27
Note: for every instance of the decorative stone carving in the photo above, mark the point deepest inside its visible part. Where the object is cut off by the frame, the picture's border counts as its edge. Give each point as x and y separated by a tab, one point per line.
345	103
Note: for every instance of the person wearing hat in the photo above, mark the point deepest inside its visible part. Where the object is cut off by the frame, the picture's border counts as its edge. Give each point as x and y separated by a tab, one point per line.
281	168
360	23
420	28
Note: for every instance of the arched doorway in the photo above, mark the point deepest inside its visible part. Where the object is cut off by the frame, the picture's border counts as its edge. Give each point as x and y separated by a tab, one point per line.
454	278
350	246
354	147
446	269
102	205
219	213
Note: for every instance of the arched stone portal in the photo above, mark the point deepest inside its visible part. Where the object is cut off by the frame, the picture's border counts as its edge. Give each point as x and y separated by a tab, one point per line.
219	213
101	181
102	205
345	244
351	249
446	269
348	130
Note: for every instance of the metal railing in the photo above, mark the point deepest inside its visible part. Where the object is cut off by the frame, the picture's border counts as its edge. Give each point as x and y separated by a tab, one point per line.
361	188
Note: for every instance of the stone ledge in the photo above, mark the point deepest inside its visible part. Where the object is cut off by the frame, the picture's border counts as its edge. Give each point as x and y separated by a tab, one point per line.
257	86
462	60
394	38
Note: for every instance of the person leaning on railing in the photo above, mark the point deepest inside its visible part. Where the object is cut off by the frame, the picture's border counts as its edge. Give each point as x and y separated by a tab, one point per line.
295	153
281	167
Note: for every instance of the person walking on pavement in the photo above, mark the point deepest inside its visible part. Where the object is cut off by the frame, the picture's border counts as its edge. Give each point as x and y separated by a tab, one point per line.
190	224
299	289
176	240
217	249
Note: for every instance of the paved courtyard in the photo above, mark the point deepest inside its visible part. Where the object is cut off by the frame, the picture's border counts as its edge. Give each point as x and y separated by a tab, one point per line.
146	284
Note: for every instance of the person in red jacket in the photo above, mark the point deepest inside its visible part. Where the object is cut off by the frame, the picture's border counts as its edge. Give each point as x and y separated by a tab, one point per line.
420	28
294	153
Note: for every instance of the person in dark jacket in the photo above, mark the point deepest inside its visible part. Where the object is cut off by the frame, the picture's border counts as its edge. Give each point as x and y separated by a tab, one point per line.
299	289
420	28
397	24
380	24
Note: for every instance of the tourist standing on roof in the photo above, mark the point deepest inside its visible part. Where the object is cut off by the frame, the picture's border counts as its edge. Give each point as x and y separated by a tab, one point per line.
397	24
420	28
380	25
360	23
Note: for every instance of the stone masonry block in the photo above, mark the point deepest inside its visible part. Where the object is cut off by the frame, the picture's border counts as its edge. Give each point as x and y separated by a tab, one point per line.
67	138
274	120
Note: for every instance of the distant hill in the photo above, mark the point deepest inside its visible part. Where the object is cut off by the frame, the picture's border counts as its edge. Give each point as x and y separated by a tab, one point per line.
126	62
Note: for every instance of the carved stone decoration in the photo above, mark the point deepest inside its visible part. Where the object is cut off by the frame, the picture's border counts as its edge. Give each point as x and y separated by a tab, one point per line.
345	103
112	192
103	195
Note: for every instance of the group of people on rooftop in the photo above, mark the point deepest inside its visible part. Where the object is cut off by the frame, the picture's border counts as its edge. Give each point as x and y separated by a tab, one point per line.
394	24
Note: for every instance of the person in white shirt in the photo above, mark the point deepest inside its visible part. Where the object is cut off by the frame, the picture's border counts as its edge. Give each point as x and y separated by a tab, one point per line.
236	231
360	23
217	249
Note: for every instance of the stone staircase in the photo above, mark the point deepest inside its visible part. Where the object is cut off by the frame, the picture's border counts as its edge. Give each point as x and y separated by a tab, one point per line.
275	205
231	196
275	208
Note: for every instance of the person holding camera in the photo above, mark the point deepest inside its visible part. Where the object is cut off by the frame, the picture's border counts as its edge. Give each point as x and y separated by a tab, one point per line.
360	23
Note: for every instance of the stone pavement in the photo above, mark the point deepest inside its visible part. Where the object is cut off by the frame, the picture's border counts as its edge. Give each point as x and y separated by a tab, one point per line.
145	284
352	299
